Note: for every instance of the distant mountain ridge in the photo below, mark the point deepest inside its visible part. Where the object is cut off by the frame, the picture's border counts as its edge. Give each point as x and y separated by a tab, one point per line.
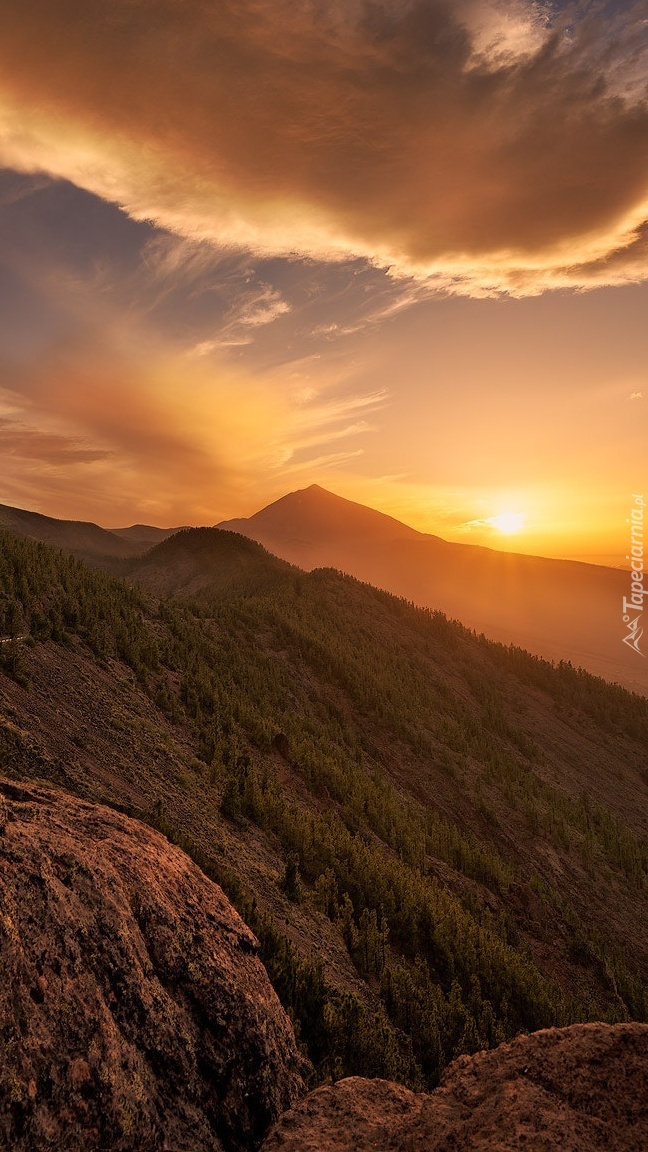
79	536
559	609
83	537
144	533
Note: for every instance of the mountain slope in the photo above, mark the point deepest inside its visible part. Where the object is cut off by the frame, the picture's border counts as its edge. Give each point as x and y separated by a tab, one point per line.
193	559
313	519
145	534
456	831
559	609
80	537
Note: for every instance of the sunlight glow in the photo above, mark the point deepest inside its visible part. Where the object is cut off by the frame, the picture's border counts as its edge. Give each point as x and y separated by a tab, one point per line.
508	522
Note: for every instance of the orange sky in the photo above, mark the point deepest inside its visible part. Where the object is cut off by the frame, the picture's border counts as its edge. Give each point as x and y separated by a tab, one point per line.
396	249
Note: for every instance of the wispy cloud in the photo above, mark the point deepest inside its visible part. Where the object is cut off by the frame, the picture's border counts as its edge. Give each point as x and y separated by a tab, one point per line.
19	440
505	31
315	464
503	522
105	426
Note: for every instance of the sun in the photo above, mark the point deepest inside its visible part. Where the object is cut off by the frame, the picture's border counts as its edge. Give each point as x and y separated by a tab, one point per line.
508	522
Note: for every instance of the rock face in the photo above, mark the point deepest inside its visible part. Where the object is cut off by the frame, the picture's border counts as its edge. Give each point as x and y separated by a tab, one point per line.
577	1089
134	1013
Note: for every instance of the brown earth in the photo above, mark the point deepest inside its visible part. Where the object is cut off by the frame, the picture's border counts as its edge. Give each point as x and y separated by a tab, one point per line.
134	1013
578	1089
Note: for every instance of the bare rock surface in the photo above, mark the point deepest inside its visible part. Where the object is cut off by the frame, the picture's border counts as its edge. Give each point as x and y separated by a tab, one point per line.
577	1089
134	1013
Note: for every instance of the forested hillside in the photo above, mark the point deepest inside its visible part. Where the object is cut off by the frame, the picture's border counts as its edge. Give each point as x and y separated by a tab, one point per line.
439	841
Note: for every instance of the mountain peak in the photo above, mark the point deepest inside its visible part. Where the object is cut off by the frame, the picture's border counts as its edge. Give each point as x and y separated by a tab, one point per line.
314	515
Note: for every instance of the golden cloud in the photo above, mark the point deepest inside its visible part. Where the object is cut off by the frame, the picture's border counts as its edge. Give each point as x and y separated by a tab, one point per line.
49	448
482	145
95	429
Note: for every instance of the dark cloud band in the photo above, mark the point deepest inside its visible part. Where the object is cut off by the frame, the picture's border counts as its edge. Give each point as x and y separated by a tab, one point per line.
484	145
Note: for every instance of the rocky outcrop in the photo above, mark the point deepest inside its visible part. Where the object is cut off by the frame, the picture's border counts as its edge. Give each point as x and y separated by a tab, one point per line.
134	1013
577	1089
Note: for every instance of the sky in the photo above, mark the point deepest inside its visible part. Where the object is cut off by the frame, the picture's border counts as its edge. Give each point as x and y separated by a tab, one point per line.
399	249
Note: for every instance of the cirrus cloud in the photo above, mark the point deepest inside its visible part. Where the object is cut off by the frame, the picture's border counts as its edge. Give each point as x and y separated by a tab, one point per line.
480	145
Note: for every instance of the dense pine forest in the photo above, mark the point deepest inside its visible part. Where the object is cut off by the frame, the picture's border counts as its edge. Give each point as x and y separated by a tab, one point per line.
464	824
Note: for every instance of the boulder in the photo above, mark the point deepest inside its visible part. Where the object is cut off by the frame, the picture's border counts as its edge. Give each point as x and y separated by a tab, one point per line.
577	1089
134	1011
